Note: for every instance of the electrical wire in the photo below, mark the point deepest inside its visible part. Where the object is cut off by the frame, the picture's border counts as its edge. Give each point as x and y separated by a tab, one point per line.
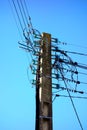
19	22
76	53
72	103
58	95
28	75
83	64
80	65
29	37
65	43
24	11
58	91
75	72
54	99
15	20
72	80
82	73
85	47
30	23
17	14
32	35
83	82
29	62
21	13
69	61
64	52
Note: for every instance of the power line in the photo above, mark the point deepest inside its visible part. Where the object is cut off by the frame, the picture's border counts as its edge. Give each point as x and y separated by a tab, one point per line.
85	47
65	43
15	19
21	13
58	95
64	52
26	8
30	23
72	71
29	38
83	64
72	103
82	73
80	65
24	11
76	53
83	82
17	14
28	75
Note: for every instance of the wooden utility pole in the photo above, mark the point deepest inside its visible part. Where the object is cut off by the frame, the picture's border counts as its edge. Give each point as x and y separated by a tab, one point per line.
44	86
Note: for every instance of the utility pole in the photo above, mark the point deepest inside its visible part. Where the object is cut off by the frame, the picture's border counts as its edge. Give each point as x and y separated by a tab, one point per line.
47	68
45	71
44	86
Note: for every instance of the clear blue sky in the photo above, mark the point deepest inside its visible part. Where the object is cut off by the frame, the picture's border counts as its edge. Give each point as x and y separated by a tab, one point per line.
65	20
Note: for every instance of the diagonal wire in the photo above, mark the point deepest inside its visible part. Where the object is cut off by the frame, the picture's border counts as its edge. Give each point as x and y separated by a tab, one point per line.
17	14
30	23
30	36
72	103
21	13
24	11
15	19
27	20
28	14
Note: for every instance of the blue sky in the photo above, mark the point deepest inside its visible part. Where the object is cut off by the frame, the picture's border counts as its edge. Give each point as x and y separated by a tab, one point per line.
65	20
